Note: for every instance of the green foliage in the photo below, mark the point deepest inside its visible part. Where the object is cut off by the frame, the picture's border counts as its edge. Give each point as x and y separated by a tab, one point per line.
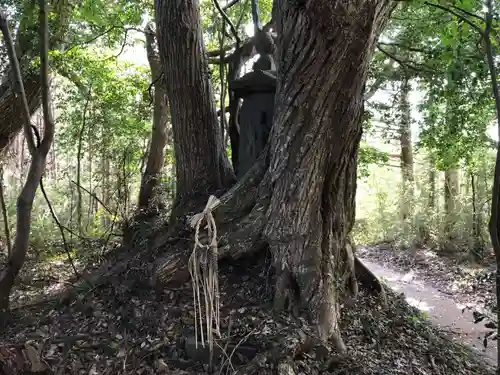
117	115
438	47
107	20
439	52
369	155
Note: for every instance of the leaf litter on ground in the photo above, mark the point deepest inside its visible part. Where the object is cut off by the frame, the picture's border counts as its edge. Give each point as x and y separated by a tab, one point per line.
125	326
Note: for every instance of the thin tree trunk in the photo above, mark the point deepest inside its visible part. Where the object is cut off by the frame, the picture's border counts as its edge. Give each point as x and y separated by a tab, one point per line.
79	203
431	198
156	155
478	245
494	224
481	197
222	77
105	171
39	157
406	150
90	208
202	166
5	215
23	156
450	200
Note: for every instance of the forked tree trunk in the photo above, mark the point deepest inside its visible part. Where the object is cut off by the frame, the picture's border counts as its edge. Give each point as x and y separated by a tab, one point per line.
202	166
156	153
324	48
299	197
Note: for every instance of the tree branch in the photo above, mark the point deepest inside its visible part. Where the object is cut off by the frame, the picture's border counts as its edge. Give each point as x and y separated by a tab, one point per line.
472	24
231	26
217	53
53	213
230	4
95	197
469	13
411	49
403	63
374	88
48	129
107	31
247	45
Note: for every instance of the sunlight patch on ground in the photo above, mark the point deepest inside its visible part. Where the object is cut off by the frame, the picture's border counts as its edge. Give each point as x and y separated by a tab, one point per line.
421	305
408	277
54	288
390	278
429	254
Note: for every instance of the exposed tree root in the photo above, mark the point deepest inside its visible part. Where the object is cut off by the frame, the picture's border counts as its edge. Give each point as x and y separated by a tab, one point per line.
351	268
239	219
242	220
369	281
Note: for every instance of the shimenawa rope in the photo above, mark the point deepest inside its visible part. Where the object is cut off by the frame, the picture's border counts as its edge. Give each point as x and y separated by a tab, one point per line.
204	274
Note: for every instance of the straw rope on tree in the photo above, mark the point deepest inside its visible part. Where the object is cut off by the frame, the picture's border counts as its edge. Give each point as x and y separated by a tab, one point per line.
203	269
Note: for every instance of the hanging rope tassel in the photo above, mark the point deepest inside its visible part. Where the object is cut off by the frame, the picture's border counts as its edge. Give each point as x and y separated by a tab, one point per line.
203	268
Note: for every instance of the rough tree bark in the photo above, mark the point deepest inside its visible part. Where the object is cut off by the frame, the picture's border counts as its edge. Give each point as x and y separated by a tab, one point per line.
202	166
156	154
299	197
39	155
324	48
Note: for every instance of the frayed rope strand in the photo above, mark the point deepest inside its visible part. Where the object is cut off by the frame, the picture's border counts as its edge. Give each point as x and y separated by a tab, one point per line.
204	275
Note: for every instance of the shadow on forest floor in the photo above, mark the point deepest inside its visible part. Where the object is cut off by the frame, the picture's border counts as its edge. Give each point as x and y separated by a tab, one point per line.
123	326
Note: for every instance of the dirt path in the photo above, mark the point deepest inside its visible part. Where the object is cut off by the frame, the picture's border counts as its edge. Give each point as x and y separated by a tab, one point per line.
441	309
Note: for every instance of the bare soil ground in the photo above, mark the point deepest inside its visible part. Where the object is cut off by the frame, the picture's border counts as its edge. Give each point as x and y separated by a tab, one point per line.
120	325
470	283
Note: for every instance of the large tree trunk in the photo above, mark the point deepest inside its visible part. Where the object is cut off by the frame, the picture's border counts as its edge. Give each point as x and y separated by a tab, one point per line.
324	48
156	154
202	166
298	199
